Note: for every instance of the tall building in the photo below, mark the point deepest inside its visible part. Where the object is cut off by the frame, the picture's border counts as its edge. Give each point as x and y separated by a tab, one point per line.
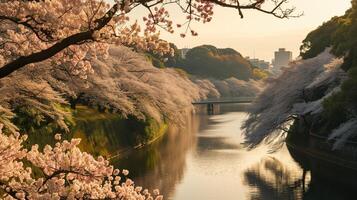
282	58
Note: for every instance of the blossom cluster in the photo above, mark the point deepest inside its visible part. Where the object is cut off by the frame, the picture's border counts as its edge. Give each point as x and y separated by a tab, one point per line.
284	98
66	172
29	27
46	29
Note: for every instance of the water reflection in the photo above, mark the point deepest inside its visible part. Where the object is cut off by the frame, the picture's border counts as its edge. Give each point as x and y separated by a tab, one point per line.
205	160
162	164
270	179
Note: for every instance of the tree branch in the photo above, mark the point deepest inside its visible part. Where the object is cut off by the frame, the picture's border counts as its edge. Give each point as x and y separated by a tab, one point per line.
75	39
257	6
44	54
45	35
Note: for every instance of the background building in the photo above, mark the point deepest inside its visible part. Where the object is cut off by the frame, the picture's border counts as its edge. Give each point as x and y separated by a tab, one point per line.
282	58
262	64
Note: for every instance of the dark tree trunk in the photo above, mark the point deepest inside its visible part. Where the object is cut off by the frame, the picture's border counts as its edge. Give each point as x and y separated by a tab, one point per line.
44	54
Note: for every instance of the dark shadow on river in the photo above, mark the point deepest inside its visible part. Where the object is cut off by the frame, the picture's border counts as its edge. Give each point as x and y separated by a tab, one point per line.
205	161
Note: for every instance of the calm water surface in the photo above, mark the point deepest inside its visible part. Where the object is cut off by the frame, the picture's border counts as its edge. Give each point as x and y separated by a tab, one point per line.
206	161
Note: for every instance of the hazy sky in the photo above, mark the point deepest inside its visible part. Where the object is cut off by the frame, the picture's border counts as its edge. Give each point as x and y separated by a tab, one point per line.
258	34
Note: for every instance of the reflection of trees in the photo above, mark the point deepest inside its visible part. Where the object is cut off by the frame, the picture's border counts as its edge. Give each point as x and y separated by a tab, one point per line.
162	164
323	188
272	180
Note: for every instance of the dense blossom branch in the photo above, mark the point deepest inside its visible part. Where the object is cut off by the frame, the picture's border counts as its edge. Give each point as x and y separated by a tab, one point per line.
34	26
125	82
34	31
67	172
283	99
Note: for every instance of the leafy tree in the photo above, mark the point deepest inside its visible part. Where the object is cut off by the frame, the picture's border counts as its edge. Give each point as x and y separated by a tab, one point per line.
340	109
175	60
338	33
259	74
209	62
318	40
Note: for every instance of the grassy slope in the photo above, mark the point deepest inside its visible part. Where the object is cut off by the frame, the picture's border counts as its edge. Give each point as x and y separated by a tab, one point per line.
107	134
102	133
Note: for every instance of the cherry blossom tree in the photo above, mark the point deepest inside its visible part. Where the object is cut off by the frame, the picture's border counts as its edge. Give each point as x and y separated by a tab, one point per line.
67	173
24	93
233	87
284	99
76	36
125	82
69	32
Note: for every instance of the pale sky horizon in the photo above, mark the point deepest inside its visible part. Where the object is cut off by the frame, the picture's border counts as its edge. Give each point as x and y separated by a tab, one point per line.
256	35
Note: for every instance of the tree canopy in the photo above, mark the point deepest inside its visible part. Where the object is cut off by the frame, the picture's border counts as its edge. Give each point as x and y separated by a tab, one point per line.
339	115
211	62
318	91
61	41
285	99
338	33
68	32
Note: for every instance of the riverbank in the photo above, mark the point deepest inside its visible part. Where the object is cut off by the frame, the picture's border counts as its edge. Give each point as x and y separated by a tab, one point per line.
315	153
109	134
102	133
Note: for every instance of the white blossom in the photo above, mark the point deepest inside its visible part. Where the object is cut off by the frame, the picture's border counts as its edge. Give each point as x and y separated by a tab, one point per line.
283	99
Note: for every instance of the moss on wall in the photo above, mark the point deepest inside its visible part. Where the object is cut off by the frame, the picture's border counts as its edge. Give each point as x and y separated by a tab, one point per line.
102	133
107	134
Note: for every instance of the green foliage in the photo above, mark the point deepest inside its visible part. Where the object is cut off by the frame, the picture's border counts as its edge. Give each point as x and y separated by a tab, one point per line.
176	59
209	62
334	113
153	129
102	133
32	121
106	133
317	40
343	105
349	88
155	60
340	34
259	74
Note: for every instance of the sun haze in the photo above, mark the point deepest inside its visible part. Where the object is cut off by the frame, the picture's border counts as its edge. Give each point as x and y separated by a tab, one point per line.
257	34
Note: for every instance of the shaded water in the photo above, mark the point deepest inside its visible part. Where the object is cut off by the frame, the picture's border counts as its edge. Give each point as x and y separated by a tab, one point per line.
205	160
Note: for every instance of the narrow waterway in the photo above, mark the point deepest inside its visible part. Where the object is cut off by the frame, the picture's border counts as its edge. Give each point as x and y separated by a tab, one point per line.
205	161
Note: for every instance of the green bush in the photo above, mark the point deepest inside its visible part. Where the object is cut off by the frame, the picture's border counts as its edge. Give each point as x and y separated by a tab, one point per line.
210	62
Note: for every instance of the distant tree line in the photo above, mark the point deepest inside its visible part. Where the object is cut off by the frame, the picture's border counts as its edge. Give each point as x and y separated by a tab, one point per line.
207	61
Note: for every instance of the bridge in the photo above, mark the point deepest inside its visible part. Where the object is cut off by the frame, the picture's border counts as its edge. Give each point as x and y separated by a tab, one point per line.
224	100
211	102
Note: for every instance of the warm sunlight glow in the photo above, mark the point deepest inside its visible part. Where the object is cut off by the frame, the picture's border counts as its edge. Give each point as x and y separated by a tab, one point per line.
259	35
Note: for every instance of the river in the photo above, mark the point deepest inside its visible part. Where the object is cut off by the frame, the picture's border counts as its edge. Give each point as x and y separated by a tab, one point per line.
205	160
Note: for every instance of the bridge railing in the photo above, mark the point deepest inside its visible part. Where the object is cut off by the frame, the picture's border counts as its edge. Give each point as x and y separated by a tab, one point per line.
225	100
